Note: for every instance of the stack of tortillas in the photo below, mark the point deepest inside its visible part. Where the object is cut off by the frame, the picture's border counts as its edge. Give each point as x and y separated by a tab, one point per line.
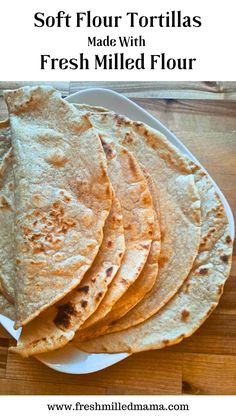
111	238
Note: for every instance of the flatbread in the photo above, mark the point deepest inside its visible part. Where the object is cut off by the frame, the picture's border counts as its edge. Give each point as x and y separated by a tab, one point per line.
7	262
138	218
6	308
144	282
56	326
198	296
178	196
62	194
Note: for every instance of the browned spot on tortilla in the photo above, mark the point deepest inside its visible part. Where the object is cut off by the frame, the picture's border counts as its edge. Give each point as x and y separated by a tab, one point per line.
186	287
106	148
132	164
38	248
165	341
225	258
146	199
119	120
228	239
109	243
128	227
37	340
4	203
120	254
84	289
93	279
98	296
220	289
84	303
145	246
123	281
66	199
181	336
137	124
109	271
64	313
128	139
163	260
103	171
185	315
203	271
17	261
26	230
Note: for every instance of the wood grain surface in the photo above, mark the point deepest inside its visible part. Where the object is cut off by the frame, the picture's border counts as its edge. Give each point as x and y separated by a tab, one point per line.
205	363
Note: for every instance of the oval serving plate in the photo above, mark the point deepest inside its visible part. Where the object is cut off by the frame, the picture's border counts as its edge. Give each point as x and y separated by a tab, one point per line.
69	359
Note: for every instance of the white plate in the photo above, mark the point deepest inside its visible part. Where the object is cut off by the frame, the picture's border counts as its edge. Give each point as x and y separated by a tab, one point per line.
69	359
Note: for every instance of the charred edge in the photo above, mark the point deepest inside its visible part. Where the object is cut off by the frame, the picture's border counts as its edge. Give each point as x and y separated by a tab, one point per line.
119	120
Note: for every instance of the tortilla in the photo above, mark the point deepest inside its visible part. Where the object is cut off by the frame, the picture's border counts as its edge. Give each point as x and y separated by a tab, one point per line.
7	262
198	296
6	309
62	194
138	219
179	202
56	326
144	282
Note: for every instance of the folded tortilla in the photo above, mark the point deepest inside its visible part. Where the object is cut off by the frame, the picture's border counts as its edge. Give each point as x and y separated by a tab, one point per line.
62	196
7	261
179	201
196	299
57	325
133	193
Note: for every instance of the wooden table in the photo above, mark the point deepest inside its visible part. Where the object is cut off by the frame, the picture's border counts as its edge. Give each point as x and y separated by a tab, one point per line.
206	362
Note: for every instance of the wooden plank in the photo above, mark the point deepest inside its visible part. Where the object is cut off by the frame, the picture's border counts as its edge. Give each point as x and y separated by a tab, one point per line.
157	89
154	372
209	374
3	356
229	89
3	333
17	387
